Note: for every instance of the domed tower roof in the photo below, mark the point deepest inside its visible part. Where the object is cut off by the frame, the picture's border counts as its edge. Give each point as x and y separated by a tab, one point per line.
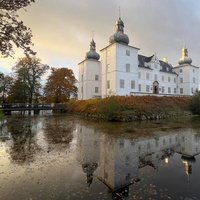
88	169
92	54
184	57
119	36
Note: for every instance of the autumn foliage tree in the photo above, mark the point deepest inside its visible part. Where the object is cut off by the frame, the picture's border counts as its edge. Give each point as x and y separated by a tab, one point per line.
60	85
28	73
13	31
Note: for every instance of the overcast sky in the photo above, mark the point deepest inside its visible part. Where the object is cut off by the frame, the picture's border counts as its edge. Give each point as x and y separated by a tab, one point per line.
62	29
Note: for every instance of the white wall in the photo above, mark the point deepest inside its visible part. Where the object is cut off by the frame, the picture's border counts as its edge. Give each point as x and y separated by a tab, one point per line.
108	62
188	73
114	60
87	71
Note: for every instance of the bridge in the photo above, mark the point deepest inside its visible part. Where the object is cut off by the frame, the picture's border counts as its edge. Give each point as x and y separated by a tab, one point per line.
8	108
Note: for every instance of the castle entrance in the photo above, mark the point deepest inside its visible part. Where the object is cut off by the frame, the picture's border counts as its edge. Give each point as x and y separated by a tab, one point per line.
155	87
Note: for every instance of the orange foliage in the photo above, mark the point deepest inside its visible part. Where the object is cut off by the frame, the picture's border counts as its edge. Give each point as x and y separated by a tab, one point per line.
139	105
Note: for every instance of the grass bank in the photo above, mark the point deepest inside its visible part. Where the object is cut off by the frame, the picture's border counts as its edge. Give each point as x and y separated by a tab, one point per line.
131	108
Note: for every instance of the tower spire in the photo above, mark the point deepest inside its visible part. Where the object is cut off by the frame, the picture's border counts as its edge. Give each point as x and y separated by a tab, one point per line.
92	54
119	36
184	57
119	12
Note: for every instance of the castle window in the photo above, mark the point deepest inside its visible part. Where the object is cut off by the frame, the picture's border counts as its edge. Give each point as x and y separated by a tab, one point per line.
82	89
163	141
128	68
139	87
82	77
139	75
163	78
194	80
174	90
121	83
169	79
147	76
174	80
147	88
121	143
127	52
181	70
96	77
181	80
194	70
96	90
181	90
132	84
128	177
127	160
163	89
192	90
108	84
169	90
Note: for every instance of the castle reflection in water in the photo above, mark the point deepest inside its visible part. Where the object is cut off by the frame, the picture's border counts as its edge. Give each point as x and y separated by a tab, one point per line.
117	161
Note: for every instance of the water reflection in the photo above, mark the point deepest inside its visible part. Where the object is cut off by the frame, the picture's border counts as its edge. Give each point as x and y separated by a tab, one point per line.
58	133
23	146
98	159
120	160
88	148
28	136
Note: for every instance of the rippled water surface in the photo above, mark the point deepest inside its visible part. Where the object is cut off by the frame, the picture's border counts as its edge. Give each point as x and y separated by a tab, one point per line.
66	157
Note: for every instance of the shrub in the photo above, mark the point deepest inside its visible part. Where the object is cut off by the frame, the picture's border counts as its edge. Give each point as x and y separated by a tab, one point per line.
110	109
1	115
195	103
119	108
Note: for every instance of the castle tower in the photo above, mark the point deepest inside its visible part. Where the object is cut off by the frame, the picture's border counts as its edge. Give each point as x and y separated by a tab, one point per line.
119	64
90	74
188	74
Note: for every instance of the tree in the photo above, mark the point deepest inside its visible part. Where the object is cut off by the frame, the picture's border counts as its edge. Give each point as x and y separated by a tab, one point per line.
28	71
6	82
13	31
60	85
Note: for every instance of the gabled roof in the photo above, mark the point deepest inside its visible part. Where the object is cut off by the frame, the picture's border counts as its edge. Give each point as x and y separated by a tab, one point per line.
166	67
142	59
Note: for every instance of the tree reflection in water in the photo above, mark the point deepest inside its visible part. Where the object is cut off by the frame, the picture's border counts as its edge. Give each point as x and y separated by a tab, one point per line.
24	145
58	133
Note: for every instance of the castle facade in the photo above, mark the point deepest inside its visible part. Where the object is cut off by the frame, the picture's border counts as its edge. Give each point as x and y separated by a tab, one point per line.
121	70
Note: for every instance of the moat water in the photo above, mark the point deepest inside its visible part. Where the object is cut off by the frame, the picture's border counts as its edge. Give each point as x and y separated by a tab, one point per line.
65	157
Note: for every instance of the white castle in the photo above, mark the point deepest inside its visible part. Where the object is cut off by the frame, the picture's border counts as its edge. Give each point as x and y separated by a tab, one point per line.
122	71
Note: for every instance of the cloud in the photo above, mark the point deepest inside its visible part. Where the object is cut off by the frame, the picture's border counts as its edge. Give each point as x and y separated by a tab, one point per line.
62	29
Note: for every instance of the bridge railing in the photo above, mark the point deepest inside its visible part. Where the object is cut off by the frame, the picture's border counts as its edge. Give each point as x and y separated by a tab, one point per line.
22	105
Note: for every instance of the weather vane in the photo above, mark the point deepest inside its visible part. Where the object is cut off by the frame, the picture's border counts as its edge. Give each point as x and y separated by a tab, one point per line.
119	12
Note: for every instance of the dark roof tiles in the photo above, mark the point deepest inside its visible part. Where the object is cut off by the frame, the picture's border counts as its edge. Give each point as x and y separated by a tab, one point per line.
166	67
